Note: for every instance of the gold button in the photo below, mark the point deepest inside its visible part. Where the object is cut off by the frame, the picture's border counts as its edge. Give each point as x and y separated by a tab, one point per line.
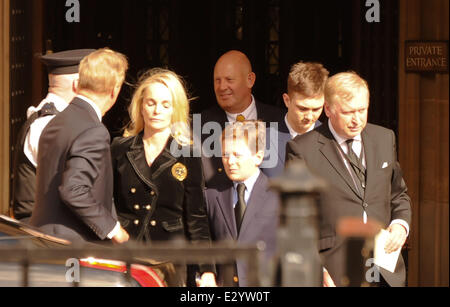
133	191
136	222
220	170
148	207
153	223
235	279
152	193
240	118
137	207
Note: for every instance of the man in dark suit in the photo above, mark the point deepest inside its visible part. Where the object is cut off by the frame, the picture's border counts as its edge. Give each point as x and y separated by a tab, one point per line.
359	161
62	77
304	100
74	197
246	211
233	83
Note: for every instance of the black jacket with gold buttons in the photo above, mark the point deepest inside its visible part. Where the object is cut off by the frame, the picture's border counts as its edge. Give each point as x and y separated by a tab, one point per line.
161	202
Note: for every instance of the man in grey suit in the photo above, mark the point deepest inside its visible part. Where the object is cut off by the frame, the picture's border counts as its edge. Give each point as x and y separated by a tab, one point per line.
246	211
359	161
74	197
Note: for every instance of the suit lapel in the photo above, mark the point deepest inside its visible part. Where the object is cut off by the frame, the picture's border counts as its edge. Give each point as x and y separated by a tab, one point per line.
370	156
331	152
163	162
283	138
136	156
225	201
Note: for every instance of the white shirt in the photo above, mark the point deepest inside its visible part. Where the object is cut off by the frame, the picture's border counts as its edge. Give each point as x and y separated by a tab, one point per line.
30	147
358	149
357	146
249	184
294	133
250	113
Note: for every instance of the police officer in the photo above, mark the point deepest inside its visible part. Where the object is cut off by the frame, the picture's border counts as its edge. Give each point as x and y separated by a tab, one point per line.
63	77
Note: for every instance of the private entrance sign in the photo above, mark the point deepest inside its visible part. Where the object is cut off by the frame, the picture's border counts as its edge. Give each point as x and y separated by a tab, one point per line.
426	56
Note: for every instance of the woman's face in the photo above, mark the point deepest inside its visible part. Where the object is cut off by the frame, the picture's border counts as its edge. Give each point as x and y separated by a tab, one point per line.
157	107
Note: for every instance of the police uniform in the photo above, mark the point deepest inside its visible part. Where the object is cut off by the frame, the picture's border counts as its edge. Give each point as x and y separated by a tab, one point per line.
25	155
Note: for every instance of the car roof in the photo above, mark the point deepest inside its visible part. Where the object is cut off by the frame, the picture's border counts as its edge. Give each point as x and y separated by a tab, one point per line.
20	231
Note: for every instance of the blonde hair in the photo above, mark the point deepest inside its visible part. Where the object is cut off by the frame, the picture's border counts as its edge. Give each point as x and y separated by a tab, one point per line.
101	71
344	86
180	118
252	131
307	79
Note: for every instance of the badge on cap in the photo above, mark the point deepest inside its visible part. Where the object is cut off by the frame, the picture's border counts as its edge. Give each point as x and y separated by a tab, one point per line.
179	171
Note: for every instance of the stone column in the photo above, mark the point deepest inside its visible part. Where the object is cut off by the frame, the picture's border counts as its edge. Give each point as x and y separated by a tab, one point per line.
4	106
424	145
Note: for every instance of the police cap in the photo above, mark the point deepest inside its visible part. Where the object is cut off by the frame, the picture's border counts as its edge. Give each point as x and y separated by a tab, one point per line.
65	62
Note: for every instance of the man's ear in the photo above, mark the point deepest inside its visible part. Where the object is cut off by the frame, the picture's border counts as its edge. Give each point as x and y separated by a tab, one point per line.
75	86
251	79
115	92
287	100
258	158
327	109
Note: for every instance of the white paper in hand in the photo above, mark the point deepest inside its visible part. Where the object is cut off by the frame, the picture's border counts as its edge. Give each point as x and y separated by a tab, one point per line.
382	259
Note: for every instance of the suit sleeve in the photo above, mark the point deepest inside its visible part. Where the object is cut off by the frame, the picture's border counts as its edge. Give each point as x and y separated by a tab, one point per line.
400	201
83	167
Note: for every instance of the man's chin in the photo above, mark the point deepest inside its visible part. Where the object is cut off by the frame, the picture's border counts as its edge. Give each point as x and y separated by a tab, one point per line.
305	128
353	133
234	177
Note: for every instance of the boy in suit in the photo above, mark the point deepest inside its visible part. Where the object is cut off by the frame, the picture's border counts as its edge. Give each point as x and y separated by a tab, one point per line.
304	101
246	211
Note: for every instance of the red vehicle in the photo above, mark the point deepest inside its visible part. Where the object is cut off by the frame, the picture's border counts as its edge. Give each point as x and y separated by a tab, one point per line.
53	272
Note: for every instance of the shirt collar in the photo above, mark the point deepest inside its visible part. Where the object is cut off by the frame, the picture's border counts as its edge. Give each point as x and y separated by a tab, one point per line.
250	182
294	133
93	105
339	139
250	113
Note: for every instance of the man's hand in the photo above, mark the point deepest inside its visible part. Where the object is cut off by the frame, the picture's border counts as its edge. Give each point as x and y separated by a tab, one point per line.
397	238
327	280
121	237
208	279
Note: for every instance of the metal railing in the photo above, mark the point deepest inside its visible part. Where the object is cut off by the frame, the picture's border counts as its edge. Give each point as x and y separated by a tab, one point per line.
27	254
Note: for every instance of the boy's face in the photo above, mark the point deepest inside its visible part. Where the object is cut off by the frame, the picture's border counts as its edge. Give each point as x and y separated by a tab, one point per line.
303	112
238	160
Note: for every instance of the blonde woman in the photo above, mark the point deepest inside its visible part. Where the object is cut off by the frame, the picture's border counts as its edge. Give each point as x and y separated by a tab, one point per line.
158	195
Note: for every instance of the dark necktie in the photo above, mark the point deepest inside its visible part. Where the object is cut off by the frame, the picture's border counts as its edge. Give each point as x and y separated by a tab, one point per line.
239	209
356	164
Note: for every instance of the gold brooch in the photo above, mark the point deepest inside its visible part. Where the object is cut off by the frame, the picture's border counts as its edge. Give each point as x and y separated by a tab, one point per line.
240	118
179	171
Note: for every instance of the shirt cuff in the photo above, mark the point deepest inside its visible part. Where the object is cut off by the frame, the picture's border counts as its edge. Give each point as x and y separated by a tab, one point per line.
403	223
113	233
